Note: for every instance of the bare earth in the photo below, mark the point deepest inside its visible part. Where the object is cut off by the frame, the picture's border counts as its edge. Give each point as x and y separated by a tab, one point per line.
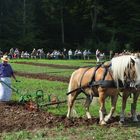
15	116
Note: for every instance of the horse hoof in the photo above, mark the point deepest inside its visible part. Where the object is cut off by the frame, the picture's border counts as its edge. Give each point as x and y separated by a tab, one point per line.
106	119
89	118
102	123
68	116
88	115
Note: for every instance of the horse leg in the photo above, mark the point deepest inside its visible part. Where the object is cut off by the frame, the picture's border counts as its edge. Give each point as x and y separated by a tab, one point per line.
133	107
102	108
87	104
124	99
71	99
112	110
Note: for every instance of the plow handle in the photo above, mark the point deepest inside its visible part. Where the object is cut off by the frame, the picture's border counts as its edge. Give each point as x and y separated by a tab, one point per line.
14	89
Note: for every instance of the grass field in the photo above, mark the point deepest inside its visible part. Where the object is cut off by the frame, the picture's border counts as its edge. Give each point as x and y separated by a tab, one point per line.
93	132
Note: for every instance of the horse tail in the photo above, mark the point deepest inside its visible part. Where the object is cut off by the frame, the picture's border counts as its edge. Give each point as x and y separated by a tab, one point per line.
72	96
73	87
70	82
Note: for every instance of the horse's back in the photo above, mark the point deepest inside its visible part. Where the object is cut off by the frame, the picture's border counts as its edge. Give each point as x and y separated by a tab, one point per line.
78	74
85	75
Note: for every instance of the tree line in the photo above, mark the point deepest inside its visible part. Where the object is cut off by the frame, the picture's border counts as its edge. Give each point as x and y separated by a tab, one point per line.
71	24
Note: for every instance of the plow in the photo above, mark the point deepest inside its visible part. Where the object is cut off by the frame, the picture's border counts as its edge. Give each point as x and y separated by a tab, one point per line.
36	101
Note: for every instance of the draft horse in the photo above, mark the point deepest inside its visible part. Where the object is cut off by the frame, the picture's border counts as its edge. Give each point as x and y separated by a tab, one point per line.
104	81
131	82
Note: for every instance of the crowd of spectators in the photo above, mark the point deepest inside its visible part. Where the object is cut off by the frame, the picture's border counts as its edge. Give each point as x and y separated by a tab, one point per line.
63	54
54	54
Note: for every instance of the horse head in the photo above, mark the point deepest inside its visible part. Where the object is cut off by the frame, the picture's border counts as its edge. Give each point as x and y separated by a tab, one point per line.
136	68
127	70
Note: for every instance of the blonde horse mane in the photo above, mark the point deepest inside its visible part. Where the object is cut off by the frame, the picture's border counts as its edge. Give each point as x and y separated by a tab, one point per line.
121	63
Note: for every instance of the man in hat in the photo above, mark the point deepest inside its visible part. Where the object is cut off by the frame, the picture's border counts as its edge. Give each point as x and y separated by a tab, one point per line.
6	72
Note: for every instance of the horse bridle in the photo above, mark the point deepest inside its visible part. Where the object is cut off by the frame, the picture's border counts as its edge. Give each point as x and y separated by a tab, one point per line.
129	80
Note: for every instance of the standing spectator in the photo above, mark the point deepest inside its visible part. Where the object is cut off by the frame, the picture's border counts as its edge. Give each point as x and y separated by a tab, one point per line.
6	72
26	54
56	54
65	53
70	54
97	56
85	54
48	55
33	54
11	53
102	57
79	54
16	53
42	54
22	54
75	53
88	54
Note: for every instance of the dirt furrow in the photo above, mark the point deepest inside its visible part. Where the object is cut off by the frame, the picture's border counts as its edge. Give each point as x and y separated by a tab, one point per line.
49	65
43	76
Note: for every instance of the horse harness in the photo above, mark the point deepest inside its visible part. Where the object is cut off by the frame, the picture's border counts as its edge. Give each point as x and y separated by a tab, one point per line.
103	83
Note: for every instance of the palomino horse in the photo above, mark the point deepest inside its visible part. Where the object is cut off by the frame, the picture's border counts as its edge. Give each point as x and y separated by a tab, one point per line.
131	81
104	81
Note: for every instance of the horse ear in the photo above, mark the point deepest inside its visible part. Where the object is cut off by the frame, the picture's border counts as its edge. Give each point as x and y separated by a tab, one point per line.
132	61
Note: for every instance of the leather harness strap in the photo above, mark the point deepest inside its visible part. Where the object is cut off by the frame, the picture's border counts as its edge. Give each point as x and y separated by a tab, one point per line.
83	76
93	77
103	83
92	83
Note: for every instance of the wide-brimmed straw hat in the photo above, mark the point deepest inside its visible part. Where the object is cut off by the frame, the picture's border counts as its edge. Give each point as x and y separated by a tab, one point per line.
5	58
